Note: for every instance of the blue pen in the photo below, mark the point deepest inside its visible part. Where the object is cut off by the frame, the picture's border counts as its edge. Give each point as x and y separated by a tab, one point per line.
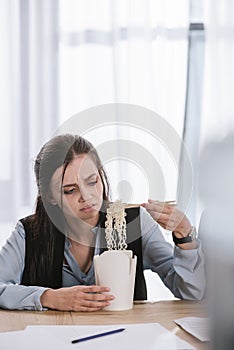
97	335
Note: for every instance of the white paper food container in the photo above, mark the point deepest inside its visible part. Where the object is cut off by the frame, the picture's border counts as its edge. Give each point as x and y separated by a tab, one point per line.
116	269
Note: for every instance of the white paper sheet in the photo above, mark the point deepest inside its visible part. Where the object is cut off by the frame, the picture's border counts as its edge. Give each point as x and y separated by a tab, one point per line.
197	326
150	336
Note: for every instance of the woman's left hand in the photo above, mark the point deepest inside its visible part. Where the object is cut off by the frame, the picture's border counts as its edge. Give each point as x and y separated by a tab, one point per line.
169	217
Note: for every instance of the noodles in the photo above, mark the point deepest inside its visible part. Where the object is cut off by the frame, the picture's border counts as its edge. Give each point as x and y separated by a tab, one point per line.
116	226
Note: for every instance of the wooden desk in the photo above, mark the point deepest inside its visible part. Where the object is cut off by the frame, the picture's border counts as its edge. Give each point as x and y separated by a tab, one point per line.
163	312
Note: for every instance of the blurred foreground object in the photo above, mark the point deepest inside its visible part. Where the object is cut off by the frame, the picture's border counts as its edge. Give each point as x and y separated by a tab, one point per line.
216	190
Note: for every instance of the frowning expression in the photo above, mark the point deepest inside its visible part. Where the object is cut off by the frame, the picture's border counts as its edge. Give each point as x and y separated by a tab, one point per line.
80	192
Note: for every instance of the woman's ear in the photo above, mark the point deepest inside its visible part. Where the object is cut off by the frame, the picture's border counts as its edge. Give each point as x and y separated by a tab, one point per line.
51	199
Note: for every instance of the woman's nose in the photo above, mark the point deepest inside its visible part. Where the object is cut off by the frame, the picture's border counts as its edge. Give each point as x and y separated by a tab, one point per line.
84	195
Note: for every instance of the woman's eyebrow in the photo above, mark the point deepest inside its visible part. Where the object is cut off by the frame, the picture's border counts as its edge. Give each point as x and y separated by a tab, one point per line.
87	178
75	184
70	185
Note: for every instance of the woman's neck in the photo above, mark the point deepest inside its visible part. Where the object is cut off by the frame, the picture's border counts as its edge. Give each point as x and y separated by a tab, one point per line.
83	255
80	231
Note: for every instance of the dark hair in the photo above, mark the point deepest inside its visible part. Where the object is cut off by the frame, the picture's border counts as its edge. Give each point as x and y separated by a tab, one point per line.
48	219
57	152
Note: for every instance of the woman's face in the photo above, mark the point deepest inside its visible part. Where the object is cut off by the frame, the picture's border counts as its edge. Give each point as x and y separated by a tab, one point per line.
82	190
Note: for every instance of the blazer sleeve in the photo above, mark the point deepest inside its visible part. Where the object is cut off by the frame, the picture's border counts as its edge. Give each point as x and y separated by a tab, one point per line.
13	295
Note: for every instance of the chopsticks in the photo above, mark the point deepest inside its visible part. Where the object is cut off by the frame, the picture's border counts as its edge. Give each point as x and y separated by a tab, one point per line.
132	205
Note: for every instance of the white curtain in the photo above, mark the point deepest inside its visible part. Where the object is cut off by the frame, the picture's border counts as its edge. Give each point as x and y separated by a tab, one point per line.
134	52
218	107
29	107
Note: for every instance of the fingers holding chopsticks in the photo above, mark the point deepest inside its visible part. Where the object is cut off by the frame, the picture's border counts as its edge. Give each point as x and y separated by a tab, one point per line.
168	215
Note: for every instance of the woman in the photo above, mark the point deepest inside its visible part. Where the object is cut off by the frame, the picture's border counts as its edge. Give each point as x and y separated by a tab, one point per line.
48	260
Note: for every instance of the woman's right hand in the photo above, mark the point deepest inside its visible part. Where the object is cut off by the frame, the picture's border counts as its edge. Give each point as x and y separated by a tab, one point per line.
77	298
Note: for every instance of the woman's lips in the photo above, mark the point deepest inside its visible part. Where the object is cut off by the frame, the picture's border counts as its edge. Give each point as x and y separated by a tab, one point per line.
87	208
